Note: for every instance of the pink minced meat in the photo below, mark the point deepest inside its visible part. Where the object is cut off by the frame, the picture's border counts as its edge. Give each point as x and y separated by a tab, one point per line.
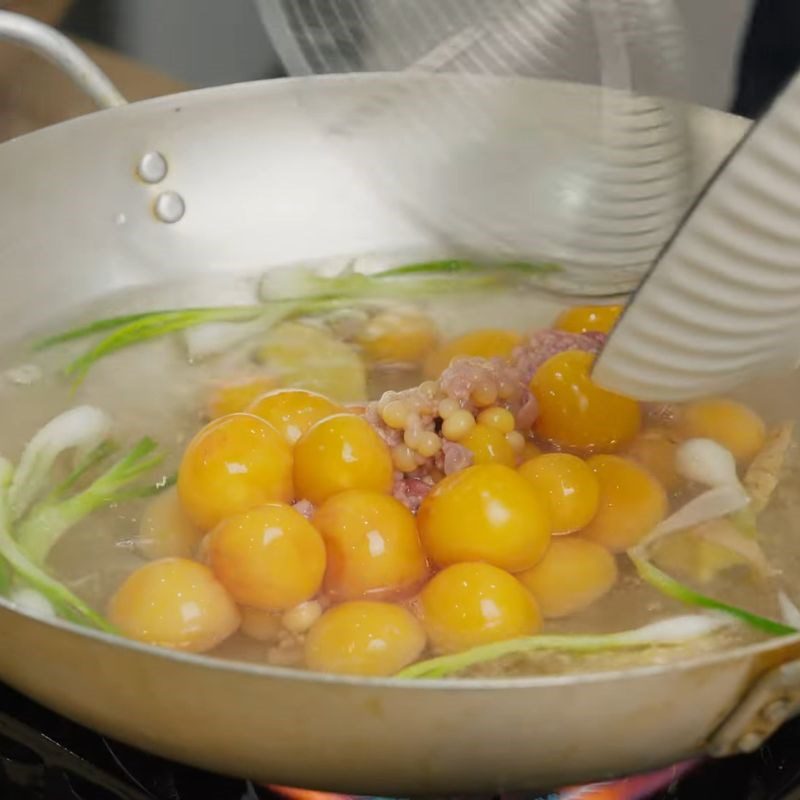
510	377
304	507
463	374
390	436
411	491
543	345
453	457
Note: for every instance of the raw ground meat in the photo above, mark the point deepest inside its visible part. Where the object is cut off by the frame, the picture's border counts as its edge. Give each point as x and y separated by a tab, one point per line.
411	491
457	383
542	345
304	507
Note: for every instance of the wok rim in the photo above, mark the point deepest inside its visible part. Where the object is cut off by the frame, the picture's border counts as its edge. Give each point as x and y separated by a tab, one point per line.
266	671
450	684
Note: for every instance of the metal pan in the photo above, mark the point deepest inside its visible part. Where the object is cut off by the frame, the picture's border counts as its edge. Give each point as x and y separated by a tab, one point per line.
247	182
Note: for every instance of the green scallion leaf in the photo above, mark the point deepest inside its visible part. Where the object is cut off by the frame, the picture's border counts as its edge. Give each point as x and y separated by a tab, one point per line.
90	329
155	325
685	594
46	522
665	633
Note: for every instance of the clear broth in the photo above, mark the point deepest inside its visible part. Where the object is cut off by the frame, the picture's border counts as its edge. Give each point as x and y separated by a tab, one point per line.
151	389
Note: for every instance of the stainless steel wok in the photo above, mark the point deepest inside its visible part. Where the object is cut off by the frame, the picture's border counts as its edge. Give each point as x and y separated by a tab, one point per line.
247	182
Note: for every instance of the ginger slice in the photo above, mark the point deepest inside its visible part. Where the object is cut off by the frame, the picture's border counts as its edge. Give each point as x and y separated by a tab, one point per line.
763	474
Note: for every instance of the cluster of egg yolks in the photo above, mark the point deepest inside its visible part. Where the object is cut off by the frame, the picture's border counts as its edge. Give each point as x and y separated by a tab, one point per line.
398	336
165	530
339	453
484	513
363	637
293	411
484	343
588	319
575	412
732	424
270	557
489	446
174	602
232	465
472	604
569	487
655	450
574	573
632	503
372	544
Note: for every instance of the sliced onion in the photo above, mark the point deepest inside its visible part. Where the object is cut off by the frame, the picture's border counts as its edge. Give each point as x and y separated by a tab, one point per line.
678	629
710	505
84	427
32	602
724	533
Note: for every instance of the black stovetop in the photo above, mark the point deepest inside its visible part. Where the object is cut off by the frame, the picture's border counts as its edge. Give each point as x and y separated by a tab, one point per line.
46	757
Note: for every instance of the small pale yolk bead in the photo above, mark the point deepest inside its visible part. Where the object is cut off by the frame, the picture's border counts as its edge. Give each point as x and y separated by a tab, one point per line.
403	458
411	437
293	411
372	544
261	625
484	513
364	638
573	575
234	464
429	389
231	398
338	453
270	558
484	393
448	407
300	618
458	425
489	446
507	389
472	604
395	414
177	603
164	529
517	442
500	418
568	486
632	503
428	444
729	423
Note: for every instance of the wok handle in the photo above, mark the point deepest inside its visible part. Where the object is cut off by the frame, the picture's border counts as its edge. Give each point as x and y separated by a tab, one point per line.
771	701
60	51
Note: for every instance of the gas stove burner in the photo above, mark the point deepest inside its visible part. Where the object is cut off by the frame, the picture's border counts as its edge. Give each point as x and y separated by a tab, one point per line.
46	757
643	787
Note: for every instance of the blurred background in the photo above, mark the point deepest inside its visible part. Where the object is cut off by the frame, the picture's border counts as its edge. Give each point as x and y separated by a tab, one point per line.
152	47
207	42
